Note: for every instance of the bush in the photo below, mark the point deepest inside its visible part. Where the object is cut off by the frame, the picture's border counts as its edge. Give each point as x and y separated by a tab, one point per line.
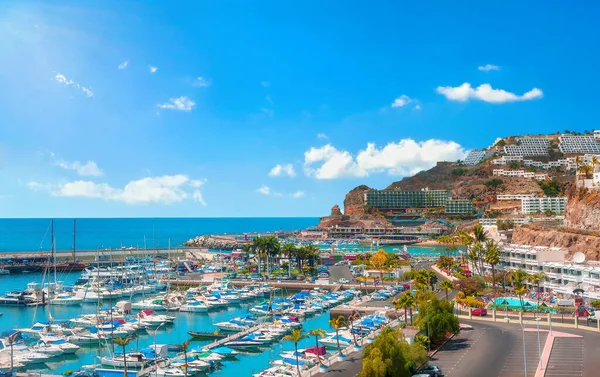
551	188
438	317
494	182
458	172
595	304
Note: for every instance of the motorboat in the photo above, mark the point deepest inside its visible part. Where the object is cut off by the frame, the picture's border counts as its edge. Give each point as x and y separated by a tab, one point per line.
232	325
66	299
332	341
47	349
244	344
60	342
193	306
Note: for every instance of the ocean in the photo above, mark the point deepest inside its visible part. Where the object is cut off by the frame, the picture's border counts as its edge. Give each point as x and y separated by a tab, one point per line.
34	234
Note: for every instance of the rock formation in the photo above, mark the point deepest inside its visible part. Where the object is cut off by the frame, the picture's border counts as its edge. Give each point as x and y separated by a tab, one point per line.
354	203
586	242
583	209
215	243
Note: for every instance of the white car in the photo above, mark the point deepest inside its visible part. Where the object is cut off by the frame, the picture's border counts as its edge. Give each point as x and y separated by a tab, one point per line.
344	281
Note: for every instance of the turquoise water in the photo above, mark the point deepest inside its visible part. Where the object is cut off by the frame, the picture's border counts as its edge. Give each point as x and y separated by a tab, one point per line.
34	234
15	317
512	301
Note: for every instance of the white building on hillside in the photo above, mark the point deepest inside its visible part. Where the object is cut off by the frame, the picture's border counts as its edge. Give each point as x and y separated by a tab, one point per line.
520	174
514	196
474	157
528	146
579	144
540	205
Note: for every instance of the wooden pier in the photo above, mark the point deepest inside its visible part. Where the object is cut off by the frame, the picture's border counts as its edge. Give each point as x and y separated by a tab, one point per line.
233	336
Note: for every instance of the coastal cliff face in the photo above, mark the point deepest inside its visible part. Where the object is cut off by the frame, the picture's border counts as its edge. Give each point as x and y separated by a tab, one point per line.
354	202
583	209
586	242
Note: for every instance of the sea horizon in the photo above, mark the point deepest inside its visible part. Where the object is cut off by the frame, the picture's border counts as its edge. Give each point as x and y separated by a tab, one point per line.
33	234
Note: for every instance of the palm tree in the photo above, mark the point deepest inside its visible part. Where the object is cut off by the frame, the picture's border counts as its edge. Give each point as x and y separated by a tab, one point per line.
289	249
479	234
492	256
518	278
337	324
586	171
360	280
184	348
422	340
406	300
296	336
123	343
447	285
271	249
317	333
258	245
537	279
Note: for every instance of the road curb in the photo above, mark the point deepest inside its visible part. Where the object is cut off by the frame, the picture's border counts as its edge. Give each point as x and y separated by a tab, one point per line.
442	345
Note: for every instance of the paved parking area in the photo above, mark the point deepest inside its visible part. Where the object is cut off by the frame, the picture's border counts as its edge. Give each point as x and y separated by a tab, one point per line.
454	351
514	364
566	358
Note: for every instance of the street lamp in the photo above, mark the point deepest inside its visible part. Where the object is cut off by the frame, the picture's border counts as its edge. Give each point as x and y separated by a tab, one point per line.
155	351
537	322
428	328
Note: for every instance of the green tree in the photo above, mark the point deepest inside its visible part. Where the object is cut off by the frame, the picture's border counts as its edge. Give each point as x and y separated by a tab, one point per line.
391	356
296	336
406	300
289	250
447	285
436	316
123	343
536	280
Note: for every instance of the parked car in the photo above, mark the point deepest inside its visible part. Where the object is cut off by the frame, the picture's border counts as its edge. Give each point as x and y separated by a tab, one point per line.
479	312
344	281
431	370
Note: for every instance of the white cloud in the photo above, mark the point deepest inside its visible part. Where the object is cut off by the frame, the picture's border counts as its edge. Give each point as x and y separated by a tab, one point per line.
201	82
123	65
167	189
35	186
405	157
282	170
321	136
267	112
264	190
486	93
90	168
488	67
265	84
269	100
417	107
153	69
61	79
402	101
297	194
334	163
181	104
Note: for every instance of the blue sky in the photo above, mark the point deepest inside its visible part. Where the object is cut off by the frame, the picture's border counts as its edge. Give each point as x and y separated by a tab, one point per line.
123	109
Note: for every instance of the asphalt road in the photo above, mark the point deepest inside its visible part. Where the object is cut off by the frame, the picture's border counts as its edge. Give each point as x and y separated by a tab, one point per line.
496	349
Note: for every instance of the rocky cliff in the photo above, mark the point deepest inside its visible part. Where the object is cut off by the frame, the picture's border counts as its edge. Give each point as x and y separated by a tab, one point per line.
586	242
354	202
583	209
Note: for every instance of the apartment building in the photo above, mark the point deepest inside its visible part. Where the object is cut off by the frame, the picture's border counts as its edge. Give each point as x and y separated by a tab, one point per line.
579	144
543	204
459	206
520	174
514	196
474	157
528	146
562	275
523	220
505	160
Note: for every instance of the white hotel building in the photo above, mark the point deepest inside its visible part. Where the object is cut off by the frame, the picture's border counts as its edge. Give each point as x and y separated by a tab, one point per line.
520	174
562	275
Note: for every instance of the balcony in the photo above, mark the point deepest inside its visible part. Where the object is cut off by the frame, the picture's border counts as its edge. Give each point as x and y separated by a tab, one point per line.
531	262
591	281
553	275
573	278
515	260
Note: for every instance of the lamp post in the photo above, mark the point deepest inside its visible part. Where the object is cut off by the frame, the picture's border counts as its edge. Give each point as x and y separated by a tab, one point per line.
537	322
155	352
428	328
504	285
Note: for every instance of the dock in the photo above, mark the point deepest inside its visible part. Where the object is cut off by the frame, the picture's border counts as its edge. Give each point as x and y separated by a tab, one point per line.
104	254
233	336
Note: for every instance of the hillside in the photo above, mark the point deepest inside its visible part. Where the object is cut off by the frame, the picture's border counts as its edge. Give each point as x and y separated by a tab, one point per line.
466	182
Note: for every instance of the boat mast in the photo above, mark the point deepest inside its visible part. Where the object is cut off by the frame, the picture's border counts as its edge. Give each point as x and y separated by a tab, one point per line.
74	237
